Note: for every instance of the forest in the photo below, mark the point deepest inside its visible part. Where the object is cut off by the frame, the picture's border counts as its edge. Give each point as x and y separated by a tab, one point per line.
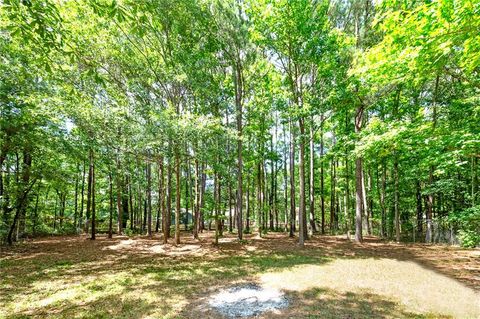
239	122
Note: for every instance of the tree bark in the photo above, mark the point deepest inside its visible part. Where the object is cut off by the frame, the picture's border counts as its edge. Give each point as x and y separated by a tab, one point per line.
312	179
301	213
110	193
119	198
92	237
177	197
396	199
149	197
292	181
358	181
322	177
89	191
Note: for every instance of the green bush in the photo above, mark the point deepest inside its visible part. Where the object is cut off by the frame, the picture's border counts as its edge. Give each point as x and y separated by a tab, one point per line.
468	222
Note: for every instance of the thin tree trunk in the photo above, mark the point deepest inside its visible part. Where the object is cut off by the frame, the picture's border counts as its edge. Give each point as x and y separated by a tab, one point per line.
196	217
312	179
217	204
110	193
347	197
130	201
22	199
177	197
418	197
92	237
301	213
333	180
247	217
89	191
322	177
259	199
149	197
396	199
75	212
119	198
292	181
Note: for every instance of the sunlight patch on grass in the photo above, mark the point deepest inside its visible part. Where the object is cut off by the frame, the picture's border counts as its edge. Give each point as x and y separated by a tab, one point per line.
418	289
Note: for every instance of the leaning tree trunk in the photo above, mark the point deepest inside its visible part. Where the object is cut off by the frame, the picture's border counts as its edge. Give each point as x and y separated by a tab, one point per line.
22	199
196	209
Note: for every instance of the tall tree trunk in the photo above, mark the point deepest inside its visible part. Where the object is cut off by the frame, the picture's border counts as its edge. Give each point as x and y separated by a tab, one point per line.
35	212
301	164
238	103
119	197
259	199
187	193
110	193
396	199
358	181
230	217
177	197
247	217
130	202
366	218
347	197
149	197
322	176
312	179
162	199
22	198
285	181
169	200
92	237
333	181
272	188
75	211
202	197
429	230
217	204
430	211
196	217
89	191
474	181
418	197
292	181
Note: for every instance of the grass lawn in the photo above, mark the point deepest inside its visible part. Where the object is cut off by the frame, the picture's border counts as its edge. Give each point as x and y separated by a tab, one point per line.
72	277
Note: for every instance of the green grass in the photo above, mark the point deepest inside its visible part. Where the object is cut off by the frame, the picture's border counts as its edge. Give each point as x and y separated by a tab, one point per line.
99	280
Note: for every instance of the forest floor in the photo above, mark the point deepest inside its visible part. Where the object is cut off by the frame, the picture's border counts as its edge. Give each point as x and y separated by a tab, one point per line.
73	277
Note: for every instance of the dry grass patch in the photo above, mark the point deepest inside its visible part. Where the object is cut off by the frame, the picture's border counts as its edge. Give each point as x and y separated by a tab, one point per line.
418	289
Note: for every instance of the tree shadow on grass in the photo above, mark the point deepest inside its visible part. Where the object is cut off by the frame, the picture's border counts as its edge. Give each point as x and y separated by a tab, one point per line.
321	303
324	303
82	262
109	306
164	278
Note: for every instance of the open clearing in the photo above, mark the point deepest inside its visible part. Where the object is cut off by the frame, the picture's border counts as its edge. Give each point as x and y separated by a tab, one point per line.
72	277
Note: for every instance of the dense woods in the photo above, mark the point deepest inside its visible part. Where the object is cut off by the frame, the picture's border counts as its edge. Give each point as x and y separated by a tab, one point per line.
306	116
